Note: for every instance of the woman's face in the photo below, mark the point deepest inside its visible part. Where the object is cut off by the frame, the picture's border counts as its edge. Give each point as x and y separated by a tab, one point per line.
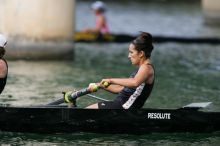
134	55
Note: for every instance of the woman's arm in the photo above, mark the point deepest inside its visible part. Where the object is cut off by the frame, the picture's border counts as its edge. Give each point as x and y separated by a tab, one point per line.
144	73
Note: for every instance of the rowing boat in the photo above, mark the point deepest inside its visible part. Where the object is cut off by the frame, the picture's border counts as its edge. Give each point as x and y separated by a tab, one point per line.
61	119
120	38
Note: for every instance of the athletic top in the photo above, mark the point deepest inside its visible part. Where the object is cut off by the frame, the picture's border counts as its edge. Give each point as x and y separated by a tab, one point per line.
134	98
3	80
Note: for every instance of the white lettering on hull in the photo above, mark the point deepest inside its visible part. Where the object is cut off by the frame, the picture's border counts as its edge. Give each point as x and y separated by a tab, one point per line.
159	116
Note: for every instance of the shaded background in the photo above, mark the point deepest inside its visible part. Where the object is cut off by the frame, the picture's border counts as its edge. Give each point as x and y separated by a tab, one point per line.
160	17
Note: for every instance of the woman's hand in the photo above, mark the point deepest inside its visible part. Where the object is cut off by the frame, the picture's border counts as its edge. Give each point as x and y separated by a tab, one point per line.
105	83
93	87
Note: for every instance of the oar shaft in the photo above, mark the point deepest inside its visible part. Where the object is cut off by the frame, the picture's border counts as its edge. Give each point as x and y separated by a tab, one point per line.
58	101
96	97
80	93
73	96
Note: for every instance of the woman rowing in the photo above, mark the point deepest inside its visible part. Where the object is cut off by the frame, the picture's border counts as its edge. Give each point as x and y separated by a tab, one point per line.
99	9
133	91
3	63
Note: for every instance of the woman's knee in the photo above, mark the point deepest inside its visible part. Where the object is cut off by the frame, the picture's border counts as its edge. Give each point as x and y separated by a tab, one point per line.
93	106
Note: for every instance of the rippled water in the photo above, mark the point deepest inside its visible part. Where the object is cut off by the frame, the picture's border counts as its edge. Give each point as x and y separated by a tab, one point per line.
184	74
89	139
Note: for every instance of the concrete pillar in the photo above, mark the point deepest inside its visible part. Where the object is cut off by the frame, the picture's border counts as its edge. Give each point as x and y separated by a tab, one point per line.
211	10
38	29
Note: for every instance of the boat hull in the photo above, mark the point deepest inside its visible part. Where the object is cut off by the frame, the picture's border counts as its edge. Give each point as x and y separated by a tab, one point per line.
122	38
70	120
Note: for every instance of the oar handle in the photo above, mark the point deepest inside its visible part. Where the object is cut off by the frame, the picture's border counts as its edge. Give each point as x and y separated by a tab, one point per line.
105	84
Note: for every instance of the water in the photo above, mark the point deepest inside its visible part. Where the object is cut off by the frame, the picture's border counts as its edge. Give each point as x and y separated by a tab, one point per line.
81	139
184	73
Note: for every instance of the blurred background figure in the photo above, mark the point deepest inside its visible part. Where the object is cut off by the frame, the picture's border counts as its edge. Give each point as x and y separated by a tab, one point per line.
99	9
3	63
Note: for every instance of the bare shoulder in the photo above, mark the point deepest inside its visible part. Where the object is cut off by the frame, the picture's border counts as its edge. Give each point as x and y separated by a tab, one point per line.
147	68
3	69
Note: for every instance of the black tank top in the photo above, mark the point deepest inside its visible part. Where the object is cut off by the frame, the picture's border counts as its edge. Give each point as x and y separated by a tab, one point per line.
3	80
134	98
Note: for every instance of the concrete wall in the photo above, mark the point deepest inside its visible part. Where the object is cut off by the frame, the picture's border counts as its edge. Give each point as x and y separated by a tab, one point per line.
211	9
38	29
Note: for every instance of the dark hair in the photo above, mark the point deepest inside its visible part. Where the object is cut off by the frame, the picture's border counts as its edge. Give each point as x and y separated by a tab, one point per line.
144	43
2	52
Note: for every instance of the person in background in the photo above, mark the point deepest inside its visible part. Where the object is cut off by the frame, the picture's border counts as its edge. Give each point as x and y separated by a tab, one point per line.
3	63
132	92
99	9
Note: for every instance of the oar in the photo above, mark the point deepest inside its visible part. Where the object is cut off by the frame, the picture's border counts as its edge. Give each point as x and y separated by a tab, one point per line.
73	96
96	97
79	93
57	102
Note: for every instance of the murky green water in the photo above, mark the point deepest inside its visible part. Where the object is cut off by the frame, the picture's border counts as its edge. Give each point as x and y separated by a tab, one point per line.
184	73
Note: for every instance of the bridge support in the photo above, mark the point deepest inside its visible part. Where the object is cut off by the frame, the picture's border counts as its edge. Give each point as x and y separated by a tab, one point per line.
211	10
38	29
